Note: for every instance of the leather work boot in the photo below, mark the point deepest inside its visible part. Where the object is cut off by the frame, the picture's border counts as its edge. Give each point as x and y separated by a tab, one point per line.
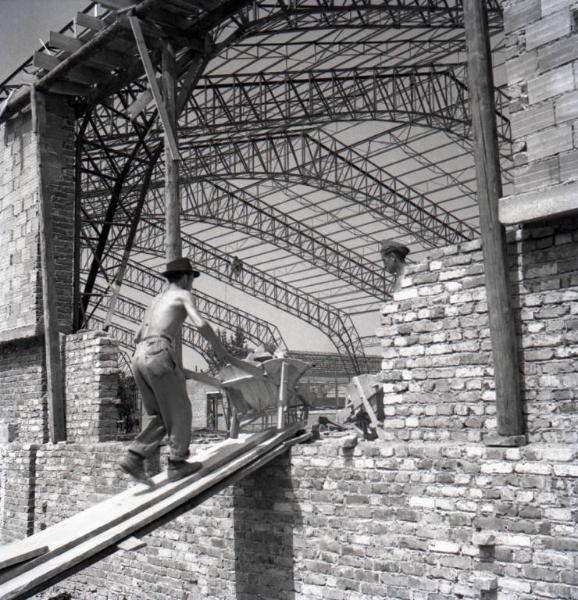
133	465
181	468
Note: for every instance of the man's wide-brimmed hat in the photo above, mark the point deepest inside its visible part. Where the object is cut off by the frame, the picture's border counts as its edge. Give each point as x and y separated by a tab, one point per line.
395	248
180	265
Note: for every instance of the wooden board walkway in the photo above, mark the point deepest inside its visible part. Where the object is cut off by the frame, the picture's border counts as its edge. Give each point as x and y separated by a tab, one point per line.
79	541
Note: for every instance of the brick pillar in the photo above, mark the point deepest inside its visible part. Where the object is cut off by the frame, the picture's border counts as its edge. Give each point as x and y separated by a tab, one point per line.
91	387
21	348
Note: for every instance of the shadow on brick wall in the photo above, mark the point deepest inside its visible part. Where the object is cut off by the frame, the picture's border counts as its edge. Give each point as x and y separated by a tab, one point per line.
265	516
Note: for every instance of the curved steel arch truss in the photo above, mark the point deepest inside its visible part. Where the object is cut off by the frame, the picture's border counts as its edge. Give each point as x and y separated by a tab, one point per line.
434	95
335	323
133	312
256	329
304	159
265	72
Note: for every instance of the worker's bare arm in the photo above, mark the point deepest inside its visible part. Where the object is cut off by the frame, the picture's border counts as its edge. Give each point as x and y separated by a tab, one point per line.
207	332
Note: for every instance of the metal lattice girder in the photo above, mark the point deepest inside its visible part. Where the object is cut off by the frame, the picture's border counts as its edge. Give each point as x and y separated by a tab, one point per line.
318	14
432	95
306	160
335	323
120	175
225	204
257	330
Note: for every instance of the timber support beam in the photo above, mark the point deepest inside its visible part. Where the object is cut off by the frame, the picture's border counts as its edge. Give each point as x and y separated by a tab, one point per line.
501	316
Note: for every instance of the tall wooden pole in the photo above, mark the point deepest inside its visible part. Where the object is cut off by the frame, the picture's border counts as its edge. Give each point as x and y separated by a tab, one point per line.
173	243
173	246
54	375
502	326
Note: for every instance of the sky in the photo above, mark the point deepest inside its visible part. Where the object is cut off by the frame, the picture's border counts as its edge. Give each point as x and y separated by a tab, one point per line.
23	26
23	23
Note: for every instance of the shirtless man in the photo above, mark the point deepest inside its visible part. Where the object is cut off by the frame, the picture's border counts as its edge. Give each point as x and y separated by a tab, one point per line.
161	380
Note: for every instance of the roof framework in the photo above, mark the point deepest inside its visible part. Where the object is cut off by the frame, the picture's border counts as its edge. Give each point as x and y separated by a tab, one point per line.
308	132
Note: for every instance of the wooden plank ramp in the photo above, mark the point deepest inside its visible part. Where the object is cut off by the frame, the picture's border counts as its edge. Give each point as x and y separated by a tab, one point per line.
88	536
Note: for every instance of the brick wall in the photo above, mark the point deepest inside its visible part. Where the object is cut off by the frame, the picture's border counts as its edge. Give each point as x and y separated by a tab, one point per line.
91	387
20	289
542	64
17	476
19	301
438	368
398	520
23	391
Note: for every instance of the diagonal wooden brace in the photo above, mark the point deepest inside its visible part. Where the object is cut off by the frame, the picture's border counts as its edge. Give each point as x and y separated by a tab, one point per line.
151	77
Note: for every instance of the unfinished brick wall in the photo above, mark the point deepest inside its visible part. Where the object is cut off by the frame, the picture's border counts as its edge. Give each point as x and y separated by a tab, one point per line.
91	362
397	520
542	72
22	378
19	300
17	488
438	369
20	288
23	406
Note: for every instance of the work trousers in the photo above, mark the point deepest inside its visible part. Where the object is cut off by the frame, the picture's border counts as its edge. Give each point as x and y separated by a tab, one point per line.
161	383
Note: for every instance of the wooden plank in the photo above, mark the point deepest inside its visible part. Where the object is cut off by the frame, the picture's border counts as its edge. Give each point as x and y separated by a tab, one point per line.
78	74
489	186
90	22
67	88
64	42
118	4
54	376
141	516
142	101
369	409
282	403
45	61
151	76
173	244
90	522
101	57
10	555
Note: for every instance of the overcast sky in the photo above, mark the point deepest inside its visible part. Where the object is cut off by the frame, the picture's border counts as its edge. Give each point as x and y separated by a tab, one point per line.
23	23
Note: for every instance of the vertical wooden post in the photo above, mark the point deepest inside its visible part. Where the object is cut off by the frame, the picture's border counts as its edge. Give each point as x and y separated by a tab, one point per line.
54	375
502	327
173	243
282	400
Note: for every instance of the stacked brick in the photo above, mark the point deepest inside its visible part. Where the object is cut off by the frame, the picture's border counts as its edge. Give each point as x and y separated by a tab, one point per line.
23	402
19	301
22	378
20	290
438	369
542	72
91	387
412	521
17	478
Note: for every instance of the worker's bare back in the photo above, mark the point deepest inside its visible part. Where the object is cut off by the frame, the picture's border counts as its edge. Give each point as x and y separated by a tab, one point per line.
167	313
